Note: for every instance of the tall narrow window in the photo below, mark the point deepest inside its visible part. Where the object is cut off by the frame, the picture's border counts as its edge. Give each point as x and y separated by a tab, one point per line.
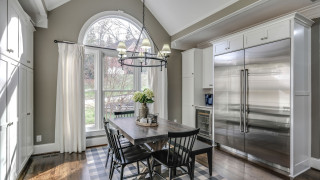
108	86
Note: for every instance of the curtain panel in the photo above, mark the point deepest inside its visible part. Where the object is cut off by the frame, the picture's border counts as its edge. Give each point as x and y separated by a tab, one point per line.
70	119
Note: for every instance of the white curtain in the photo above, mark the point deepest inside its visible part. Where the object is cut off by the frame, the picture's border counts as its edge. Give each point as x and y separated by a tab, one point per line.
157	80
70	123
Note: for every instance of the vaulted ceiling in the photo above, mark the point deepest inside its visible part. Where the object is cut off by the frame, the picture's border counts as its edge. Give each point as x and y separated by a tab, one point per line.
176	15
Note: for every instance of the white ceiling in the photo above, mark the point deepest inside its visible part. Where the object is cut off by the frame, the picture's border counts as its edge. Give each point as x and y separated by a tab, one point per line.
176	15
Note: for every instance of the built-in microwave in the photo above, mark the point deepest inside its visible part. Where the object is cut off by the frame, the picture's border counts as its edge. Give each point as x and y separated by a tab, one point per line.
204	122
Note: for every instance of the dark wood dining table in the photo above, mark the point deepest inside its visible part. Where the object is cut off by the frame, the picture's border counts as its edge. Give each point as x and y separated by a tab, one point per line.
155	137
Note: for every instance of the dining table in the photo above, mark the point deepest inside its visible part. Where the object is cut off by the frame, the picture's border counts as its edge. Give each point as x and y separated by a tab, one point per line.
155	137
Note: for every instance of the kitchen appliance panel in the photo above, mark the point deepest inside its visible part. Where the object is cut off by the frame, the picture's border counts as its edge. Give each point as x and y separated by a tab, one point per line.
227	93
267	116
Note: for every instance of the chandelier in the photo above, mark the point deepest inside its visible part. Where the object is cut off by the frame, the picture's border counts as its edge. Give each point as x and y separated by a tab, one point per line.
141	56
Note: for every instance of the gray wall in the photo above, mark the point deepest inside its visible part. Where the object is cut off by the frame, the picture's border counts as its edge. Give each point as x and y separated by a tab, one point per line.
315	79
65	23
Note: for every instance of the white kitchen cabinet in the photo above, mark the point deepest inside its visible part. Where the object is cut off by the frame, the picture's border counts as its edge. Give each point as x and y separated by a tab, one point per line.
13	117
3	118
13	31
207	69
26	43
16	32
228	45
16	92
191	84
3	26
274	32
25	135
188	64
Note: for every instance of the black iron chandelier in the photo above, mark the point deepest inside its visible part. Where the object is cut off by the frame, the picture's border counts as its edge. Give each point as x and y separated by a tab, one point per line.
142	57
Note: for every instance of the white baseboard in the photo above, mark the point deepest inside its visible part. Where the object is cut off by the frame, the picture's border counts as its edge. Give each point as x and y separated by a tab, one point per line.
45	148
315	163
96	141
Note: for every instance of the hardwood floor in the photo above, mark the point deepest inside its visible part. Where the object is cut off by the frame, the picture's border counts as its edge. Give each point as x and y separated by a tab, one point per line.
73	166
58	166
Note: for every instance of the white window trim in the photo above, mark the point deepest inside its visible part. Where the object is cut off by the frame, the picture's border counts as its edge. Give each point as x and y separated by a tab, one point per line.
99	103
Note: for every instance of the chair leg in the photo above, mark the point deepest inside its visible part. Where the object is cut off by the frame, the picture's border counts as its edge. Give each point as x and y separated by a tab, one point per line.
209	154
170	173
107	157
193	164
190	171
112	170
121	172
149	167
138	167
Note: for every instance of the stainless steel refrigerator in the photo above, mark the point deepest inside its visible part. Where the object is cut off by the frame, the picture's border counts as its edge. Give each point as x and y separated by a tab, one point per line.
252	101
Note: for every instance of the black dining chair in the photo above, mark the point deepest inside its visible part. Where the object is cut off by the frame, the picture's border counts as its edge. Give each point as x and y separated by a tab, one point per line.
118	114
124	142
124	156
177	154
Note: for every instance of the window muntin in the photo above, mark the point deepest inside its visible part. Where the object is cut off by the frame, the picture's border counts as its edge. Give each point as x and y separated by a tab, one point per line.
109	31
108	86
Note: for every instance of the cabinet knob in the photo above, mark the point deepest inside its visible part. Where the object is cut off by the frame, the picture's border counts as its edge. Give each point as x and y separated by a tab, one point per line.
210	84
28	114
262	38
10	50
9	124
28	61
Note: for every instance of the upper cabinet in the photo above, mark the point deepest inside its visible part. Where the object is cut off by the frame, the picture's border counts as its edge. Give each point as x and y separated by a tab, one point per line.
13	31
16	32
188	60
228	45
207	73
273	32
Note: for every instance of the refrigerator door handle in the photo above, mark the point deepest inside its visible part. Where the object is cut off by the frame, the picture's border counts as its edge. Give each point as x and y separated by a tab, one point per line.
246	109
241	99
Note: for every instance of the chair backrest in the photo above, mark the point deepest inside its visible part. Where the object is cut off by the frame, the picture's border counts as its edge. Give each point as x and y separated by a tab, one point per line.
114	136
124	113
180	146
106	126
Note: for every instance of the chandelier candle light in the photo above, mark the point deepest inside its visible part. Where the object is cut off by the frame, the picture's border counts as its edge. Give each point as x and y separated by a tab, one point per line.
143	57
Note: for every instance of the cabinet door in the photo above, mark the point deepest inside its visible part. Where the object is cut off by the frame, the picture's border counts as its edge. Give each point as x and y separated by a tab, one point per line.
3	120
29	125
220	47
188	115
207	73
188	91
279	31
12	150
26	43
188	63
22	91
255	37
13	31
235	43
3	26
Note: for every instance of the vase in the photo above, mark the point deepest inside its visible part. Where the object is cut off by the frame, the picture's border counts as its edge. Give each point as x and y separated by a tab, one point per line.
143	111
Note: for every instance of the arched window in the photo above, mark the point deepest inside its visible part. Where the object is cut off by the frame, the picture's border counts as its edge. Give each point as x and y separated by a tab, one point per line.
108	86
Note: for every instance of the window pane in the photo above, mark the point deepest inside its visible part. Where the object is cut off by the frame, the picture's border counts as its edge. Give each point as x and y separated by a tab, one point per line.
89	71
108	32
115	77
117	101
90	108
144	79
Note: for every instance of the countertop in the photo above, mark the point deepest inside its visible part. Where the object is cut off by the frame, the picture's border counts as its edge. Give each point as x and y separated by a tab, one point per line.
204	107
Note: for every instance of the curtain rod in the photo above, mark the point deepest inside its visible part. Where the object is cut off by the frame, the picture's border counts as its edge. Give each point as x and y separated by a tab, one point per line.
69	42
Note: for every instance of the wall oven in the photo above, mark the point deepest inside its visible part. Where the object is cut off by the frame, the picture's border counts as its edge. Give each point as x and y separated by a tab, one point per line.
204	122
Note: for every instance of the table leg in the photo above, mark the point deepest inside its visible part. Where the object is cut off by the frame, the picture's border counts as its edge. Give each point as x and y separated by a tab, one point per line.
156	146
209	154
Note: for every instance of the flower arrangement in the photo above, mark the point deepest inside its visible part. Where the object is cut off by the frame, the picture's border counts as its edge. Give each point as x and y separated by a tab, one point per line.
144	97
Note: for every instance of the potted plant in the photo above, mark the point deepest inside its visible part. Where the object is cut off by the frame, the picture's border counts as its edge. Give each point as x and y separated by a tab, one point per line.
144	97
